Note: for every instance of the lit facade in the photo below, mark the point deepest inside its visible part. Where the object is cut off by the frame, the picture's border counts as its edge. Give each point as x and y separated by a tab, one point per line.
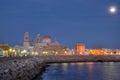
54	50
4	50
42	46
97	52
80	49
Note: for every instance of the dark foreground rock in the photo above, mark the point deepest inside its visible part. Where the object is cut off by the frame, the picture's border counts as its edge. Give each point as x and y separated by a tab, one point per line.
27	68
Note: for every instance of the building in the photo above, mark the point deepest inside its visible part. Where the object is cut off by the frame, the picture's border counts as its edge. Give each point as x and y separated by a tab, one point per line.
28	45
47	39
4	50
41	45
97	52
80	49
54	50
26	40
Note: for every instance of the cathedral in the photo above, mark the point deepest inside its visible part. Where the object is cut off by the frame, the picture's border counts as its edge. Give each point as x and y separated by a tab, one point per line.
42	46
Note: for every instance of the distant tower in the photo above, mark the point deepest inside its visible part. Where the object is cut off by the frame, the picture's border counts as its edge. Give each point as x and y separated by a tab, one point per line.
80	48
26	40
38	38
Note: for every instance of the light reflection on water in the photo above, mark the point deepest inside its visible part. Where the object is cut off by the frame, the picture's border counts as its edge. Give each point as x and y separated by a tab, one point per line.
82	71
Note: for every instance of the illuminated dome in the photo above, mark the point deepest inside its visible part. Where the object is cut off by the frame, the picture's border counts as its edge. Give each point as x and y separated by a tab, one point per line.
47	37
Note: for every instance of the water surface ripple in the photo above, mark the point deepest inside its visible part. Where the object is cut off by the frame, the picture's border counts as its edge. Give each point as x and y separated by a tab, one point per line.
82	71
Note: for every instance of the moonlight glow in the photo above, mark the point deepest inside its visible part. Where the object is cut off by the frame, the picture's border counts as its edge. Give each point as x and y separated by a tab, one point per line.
112	9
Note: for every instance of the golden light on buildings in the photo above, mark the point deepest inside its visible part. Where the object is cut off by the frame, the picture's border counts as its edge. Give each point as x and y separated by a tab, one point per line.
34	53
97	52
56	53
5	50
45	52
13	50
65	52
53	50
10	50
111	53
24	51
80	48
15	53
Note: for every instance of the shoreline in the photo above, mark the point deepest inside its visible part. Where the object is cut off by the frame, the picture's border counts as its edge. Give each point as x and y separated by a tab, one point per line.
44	68
28	68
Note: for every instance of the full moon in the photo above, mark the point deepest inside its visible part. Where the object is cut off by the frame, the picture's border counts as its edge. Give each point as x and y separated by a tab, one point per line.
112	9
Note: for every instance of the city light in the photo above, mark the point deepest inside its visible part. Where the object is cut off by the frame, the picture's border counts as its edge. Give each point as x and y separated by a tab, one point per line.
10	50
45	53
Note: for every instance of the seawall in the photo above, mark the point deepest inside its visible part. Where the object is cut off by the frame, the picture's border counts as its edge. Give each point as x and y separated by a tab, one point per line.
21	69
26	68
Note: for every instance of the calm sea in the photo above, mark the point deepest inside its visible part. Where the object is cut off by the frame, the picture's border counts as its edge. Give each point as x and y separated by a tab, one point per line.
82	71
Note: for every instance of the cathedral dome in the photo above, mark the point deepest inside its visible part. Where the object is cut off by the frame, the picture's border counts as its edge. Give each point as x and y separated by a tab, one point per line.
47	37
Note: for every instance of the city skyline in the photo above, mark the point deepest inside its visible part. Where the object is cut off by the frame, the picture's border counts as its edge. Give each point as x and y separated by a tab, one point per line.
69	22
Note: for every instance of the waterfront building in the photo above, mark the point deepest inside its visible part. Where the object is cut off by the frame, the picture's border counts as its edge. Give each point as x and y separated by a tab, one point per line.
87	52
54	50
21	51
80	49
4	50
117	52
28	44
111	51
97	52
26	40
42	45
70	51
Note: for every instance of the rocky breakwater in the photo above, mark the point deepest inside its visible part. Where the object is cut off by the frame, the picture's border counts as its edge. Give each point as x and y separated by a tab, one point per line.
26	68
21	69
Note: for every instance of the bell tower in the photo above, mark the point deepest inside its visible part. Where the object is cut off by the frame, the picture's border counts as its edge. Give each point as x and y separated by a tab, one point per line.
26	40
38	38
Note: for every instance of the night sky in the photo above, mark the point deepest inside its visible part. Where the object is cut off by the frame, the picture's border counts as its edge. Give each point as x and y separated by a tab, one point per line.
68	21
